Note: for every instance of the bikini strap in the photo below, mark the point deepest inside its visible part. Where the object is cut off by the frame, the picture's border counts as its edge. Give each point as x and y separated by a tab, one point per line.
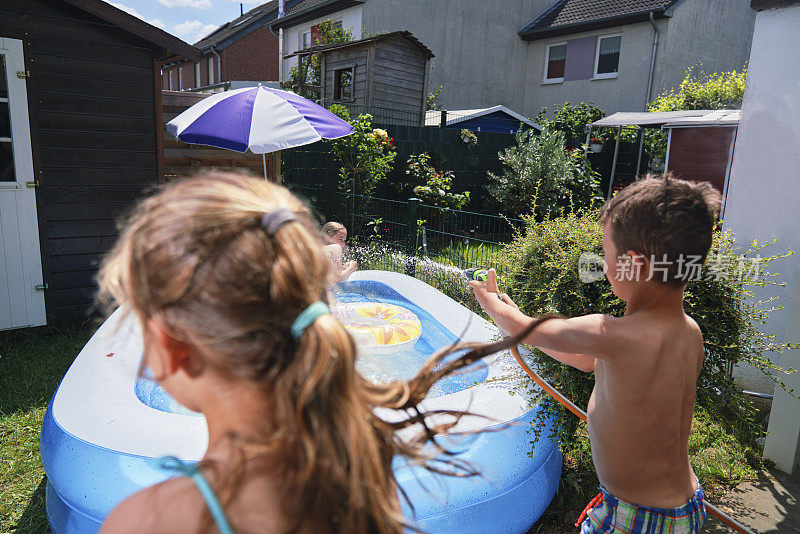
170	463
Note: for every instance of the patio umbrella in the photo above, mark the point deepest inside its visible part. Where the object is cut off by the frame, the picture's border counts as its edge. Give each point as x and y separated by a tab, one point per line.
259	119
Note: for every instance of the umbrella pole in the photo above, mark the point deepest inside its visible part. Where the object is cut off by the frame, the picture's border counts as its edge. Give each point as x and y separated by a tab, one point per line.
264	161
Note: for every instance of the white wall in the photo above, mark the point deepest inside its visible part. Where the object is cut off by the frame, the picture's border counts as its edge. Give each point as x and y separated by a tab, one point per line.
764	199
351	20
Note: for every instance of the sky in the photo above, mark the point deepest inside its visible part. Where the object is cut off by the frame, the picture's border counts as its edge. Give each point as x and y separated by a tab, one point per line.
190	20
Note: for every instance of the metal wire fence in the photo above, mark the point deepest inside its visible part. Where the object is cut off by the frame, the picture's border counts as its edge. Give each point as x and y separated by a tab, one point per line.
432	243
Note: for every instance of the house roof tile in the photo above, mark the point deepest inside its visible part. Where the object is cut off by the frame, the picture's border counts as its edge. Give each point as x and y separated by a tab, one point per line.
572	16
266	11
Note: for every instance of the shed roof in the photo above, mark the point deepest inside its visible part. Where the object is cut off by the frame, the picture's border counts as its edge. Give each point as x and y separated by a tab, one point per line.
647	118
434	117
336	46
573	16
138	27
720	117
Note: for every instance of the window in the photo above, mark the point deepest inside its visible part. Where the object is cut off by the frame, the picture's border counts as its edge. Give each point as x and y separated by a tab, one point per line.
169	73
180	78
304	41
211	70
556	59
6	149
197	75
606	62
343	83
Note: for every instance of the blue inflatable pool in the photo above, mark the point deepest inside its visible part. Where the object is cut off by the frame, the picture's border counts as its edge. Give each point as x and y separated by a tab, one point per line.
105	427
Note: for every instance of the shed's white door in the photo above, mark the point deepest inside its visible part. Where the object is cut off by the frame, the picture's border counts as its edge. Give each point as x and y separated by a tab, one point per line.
21	303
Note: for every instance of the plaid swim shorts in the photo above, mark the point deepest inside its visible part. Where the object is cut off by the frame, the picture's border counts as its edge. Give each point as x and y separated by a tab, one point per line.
610	514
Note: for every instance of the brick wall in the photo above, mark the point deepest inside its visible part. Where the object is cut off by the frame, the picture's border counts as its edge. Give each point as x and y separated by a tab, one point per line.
253	57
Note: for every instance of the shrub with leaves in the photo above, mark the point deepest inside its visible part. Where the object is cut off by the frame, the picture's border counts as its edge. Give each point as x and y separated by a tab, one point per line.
545	278
434	188
540	167
572	120
468	137
365	157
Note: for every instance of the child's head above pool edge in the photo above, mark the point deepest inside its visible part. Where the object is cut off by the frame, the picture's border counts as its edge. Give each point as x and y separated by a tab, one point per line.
658	229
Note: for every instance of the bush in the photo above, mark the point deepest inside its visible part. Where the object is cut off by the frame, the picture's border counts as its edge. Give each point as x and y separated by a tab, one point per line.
434	186
365	157
539	167
545	278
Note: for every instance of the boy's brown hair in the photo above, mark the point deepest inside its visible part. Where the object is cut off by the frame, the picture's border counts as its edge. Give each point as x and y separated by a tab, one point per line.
665	219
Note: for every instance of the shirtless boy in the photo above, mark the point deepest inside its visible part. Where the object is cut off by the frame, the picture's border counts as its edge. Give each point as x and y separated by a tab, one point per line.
646	363
334	236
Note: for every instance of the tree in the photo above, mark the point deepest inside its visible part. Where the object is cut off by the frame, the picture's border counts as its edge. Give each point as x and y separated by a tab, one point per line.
306	76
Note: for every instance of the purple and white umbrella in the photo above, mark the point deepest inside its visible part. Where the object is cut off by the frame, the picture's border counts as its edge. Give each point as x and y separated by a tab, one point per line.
259	119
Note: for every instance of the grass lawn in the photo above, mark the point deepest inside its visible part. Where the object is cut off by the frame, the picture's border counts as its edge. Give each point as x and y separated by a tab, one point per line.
32	363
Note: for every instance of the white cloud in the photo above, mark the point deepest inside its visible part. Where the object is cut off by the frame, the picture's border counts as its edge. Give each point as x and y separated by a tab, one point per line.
197	4
155	22
193	30
248	2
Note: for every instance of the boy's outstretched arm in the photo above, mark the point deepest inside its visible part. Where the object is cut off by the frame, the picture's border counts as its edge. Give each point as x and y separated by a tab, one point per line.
575	342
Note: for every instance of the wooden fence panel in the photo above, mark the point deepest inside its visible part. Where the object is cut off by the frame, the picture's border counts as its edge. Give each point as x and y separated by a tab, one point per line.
182	160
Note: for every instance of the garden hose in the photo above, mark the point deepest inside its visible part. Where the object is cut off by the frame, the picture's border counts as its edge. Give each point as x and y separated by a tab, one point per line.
553	392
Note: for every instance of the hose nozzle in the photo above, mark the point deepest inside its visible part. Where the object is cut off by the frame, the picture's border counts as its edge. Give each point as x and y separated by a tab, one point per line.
476	273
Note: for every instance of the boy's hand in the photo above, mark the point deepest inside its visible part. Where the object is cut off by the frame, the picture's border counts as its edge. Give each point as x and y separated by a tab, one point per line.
488	294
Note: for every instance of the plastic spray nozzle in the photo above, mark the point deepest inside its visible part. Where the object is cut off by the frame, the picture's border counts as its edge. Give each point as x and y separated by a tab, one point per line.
476	273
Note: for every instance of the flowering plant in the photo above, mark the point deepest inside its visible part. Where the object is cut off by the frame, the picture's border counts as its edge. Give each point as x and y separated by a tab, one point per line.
468	137
596	141
435	188
381	137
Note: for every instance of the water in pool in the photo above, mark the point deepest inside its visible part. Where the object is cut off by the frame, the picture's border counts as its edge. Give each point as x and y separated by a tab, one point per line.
375	367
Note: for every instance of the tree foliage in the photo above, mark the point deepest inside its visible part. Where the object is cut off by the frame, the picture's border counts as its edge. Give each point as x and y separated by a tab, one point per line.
721	90
571	119
541	176
308	71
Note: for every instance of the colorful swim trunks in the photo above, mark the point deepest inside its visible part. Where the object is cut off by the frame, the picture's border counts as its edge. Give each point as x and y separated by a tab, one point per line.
607	513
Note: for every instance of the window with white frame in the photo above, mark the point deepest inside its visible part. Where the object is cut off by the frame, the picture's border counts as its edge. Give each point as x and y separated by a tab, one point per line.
169	74
180	78
197	75
606	61
304	40
210	70
555	61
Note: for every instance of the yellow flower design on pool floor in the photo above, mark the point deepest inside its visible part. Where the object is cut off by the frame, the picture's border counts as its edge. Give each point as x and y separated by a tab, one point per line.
397	332
378	311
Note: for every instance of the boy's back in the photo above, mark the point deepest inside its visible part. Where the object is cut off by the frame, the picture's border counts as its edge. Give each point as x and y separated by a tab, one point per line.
640	412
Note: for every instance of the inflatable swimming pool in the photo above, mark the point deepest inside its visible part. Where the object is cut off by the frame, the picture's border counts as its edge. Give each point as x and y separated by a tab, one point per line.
105	428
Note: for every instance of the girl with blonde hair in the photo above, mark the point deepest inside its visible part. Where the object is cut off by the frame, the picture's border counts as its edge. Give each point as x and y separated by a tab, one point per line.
227	277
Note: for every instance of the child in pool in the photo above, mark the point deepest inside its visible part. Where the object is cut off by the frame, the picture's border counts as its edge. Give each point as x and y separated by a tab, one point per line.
646	363
334	235
226	276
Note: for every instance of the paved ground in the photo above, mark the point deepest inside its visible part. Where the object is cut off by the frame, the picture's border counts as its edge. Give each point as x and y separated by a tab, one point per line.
770	505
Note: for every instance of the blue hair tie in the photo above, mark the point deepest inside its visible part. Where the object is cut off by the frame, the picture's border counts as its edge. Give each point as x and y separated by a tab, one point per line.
308	316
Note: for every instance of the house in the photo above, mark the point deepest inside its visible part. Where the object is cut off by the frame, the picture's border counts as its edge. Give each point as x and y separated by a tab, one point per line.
530	54
244	49
385	75
80	81
494	119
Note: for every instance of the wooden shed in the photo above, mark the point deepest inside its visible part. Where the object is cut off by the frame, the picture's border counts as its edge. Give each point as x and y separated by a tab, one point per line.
385	75
80	134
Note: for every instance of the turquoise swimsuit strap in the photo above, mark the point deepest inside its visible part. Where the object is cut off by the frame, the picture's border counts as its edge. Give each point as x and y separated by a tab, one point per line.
171	463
